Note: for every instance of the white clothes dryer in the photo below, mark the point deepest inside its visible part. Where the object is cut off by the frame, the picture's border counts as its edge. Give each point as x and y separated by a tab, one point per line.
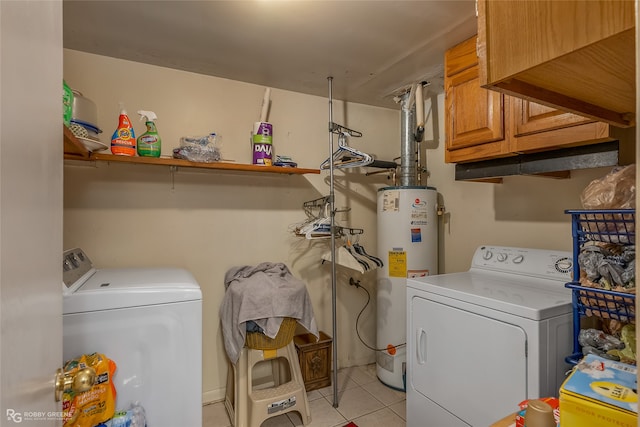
481	341
149	322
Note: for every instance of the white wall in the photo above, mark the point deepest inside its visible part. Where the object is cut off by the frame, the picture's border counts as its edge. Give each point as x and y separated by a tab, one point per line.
208	221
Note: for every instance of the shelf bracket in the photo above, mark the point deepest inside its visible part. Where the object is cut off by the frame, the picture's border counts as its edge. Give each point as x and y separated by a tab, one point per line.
172	170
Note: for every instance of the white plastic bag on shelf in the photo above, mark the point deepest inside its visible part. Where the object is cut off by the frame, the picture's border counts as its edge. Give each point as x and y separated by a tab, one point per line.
199	148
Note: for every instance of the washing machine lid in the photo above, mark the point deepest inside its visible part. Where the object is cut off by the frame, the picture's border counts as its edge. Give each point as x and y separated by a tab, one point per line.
109	289
523	296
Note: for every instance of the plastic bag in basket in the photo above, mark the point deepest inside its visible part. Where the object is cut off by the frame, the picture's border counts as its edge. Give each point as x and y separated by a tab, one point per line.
616	190
598	303
608	266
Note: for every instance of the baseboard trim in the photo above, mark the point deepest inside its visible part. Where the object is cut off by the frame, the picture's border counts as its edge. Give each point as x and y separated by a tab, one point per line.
213	396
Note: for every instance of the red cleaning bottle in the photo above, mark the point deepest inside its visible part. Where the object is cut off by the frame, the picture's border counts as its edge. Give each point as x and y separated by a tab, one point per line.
123	141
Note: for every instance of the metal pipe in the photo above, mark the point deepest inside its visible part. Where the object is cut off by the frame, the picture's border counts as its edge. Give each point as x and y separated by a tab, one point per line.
408	169
418	164
333	249
419	135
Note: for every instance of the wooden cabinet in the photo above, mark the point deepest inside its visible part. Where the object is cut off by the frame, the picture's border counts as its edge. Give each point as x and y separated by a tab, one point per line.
576	55
484	124
315	359
538	127
474	117
531	118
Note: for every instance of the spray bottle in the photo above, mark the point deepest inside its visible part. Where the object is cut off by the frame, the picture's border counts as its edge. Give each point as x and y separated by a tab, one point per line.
123	141
149	143
67	103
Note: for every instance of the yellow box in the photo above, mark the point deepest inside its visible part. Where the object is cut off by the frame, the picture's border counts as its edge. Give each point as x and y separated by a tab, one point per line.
600	392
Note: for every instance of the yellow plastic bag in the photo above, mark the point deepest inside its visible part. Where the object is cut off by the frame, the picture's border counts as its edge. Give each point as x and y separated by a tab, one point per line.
96	405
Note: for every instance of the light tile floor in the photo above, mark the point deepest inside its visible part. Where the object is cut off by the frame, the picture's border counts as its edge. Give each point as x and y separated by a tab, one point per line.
363	399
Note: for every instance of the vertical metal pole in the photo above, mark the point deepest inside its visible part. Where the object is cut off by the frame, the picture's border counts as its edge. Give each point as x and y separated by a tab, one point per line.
333	249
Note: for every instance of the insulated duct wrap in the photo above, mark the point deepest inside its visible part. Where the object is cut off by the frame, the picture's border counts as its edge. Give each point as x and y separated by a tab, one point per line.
408	152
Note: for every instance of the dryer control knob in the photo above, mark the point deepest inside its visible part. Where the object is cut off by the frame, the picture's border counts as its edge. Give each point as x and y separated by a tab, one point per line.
502	257
487	255
518	259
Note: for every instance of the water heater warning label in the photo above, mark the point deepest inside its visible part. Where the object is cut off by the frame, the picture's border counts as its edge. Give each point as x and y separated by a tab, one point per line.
391	201
397	264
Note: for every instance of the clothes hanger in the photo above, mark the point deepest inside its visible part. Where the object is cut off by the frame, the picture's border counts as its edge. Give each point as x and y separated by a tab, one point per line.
346	157
319	228
315	221
371	263
358	251
361	251
347	256
366	262
345	259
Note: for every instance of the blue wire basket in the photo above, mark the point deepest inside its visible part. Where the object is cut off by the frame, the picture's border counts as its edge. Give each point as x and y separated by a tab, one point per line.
608	226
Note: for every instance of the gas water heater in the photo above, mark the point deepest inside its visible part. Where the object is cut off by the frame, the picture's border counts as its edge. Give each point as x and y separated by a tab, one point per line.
408	246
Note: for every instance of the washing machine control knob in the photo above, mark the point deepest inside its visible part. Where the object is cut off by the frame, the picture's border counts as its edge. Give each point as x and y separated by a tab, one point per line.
502	257
518	259
487	255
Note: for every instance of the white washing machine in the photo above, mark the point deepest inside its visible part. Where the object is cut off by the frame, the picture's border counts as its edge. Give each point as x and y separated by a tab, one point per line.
480	342
149	322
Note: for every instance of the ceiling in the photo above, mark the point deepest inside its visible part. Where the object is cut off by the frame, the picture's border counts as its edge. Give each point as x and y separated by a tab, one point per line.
374	50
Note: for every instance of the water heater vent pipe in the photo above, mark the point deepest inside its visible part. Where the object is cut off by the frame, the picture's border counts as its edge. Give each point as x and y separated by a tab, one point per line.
408	175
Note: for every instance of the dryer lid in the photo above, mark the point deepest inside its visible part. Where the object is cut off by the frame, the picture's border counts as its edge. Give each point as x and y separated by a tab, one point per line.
109	289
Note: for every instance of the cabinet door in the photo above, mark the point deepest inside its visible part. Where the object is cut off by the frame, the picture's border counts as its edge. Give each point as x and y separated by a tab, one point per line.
537	127
576	55
475	125
531	117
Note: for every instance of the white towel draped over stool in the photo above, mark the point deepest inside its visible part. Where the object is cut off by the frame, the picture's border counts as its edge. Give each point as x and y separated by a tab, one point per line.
265	294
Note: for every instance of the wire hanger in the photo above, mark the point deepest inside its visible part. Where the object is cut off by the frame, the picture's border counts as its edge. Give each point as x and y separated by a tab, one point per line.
346	157
317	217
318	227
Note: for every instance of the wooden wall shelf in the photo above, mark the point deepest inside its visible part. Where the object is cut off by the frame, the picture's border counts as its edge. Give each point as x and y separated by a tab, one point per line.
74	150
